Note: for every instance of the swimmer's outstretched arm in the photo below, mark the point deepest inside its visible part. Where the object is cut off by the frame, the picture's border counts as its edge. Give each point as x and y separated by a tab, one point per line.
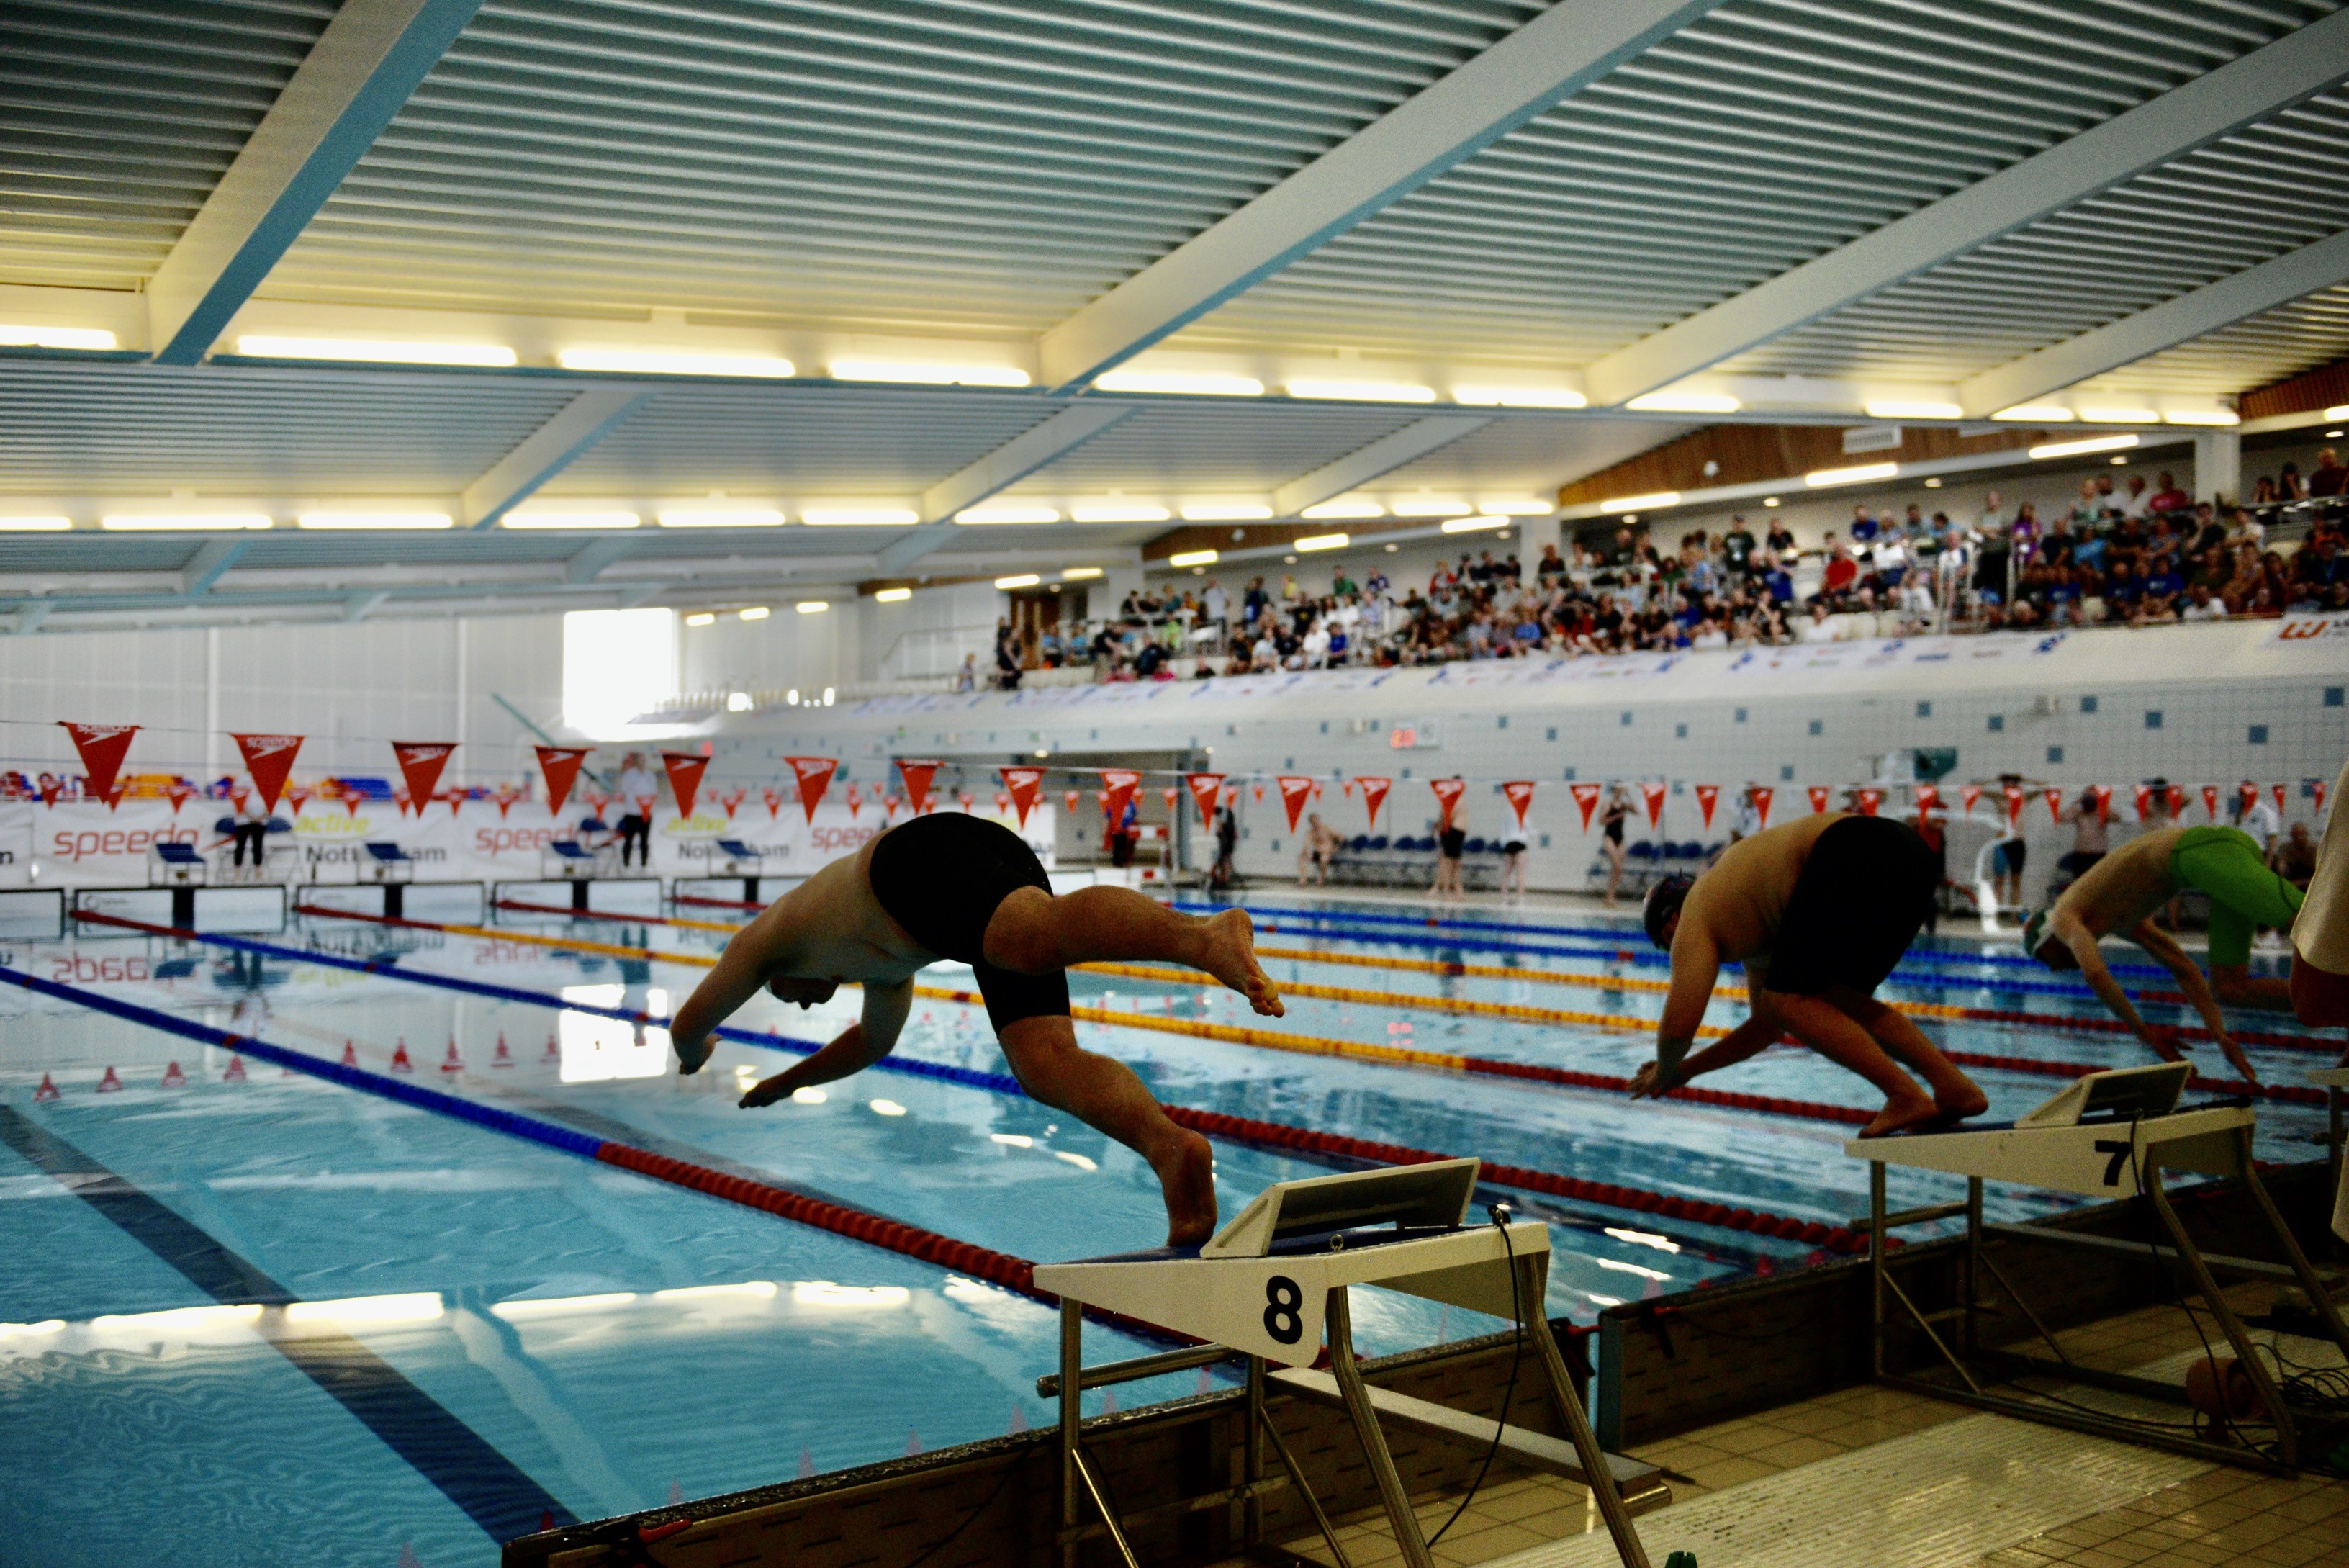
860	1045
2197	988
1696	964
750	958
1755	1034
2082	943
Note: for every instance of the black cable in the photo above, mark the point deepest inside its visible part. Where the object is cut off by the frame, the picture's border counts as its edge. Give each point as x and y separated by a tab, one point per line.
1500	1213
985	1503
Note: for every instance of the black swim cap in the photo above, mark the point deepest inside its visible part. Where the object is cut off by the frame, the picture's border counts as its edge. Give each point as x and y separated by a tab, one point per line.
1664	901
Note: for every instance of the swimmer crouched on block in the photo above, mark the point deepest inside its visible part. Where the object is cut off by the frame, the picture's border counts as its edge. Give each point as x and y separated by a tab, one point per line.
2117	897
1818	910
954	886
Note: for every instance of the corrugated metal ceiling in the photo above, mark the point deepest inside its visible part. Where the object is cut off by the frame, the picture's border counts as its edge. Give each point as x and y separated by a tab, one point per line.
2311	332
1766	134
971	164
1179	449
116	121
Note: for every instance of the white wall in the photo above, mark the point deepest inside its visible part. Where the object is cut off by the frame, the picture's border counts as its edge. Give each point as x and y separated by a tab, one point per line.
350	689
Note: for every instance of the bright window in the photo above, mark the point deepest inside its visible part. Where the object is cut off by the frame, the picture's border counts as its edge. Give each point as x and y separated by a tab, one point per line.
617	664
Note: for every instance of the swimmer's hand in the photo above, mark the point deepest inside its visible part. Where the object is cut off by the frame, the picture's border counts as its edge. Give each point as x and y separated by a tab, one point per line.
1650	1082
2165	1042
691	1054
765	1094
2235	1055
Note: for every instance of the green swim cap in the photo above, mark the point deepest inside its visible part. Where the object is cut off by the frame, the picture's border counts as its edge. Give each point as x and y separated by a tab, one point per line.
2034	931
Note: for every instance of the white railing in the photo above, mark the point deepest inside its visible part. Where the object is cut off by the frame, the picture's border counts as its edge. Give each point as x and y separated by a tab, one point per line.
939	652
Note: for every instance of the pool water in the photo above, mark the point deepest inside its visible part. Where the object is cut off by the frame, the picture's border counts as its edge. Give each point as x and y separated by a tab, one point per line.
265	1317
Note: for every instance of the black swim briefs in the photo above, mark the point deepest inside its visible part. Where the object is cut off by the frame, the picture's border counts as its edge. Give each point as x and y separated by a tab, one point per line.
1863	894
941	877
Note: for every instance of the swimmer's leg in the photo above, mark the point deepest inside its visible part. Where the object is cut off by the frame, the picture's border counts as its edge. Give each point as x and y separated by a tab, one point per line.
1105	1095
1033	933
1955	1096
1833	1034
2235	985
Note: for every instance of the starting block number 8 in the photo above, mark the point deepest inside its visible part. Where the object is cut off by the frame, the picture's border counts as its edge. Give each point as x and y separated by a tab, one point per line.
1282	1298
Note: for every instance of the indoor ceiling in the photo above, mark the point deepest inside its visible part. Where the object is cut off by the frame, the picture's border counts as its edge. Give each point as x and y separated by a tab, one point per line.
835	272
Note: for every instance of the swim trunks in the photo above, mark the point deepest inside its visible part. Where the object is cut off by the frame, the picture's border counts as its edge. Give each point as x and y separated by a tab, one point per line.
942	876
1864	890
1455	842
2225	864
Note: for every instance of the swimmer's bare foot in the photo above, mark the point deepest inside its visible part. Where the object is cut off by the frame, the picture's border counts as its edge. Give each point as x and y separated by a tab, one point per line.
1186	1171
1957	1102
1228	952
1901	1112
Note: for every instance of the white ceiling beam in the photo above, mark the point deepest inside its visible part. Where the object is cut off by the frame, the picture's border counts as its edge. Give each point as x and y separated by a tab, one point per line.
2243	91
589	561
211	558
1007	465
547	451
354	78
1521	76
1362	465
2164	325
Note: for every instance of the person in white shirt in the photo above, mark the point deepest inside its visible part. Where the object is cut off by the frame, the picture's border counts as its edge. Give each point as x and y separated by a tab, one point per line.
636	793
1820	628
2255	817
2199	605
2139	500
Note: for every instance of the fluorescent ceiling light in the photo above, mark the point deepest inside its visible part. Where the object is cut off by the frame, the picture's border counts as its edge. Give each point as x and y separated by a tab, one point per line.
674	362
1519	398
376	351
2112	416
1474	525
1858	473
2202	417
555	1306
2037	414
1080	574
182	1320
1178	382
27	335
1428	507
823	1292
1117	512
894	596
702	617
35	525
1900	411
756	612
1640	503
810	606
1192	558
721	517
569	520
762	1290
1007	514
2076	448
149	521
1021	580
418	1306
927	375
1345	507
858	517
1321	542
1227	511
1517	507
1769	500
1685	403
376	520
1363	392
2337	411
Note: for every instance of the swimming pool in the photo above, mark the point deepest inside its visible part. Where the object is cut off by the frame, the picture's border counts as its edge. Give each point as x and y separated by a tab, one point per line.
271	1317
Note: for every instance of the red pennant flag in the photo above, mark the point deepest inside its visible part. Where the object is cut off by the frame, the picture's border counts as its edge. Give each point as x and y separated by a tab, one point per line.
1585	795
855	804
2247	795
2319	786
297	794
1707	797
964	799
1205	789
1316	790
2281	808
2211	800
559	765
1346	788
1655	793
268	758
2176	796
420	762
814	776
732	801
599	802
2104	803
506	796
2055	805
179	794
1520	796
917	776
1374	796
1171	795
2143	802
1258	787
1295	791
1761	795
101	747
1969	794
2013	793
1447	796
889	803
1071	796
1023	783
1819	794
1928	797
685	770
775	799
1118	785
1870	798
1002	801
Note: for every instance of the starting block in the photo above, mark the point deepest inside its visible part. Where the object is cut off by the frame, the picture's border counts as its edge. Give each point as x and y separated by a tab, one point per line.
1271	1286
2109	1134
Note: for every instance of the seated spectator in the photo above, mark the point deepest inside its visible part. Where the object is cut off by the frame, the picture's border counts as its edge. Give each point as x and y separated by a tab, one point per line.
2122	591
1781	541
1863	526
1842	572
2158	603
1817	629
2168	497
2245	529
2136	500
2263	491
2329	478
2200	606
2290	486
2208	529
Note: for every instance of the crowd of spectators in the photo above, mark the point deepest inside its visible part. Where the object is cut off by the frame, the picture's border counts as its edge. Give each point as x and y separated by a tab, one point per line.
2125	553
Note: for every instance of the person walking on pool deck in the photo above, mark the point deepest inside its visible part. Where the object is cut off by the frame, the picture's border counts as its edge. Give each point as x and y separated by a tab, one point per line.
2117	897
954	886
1818	909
